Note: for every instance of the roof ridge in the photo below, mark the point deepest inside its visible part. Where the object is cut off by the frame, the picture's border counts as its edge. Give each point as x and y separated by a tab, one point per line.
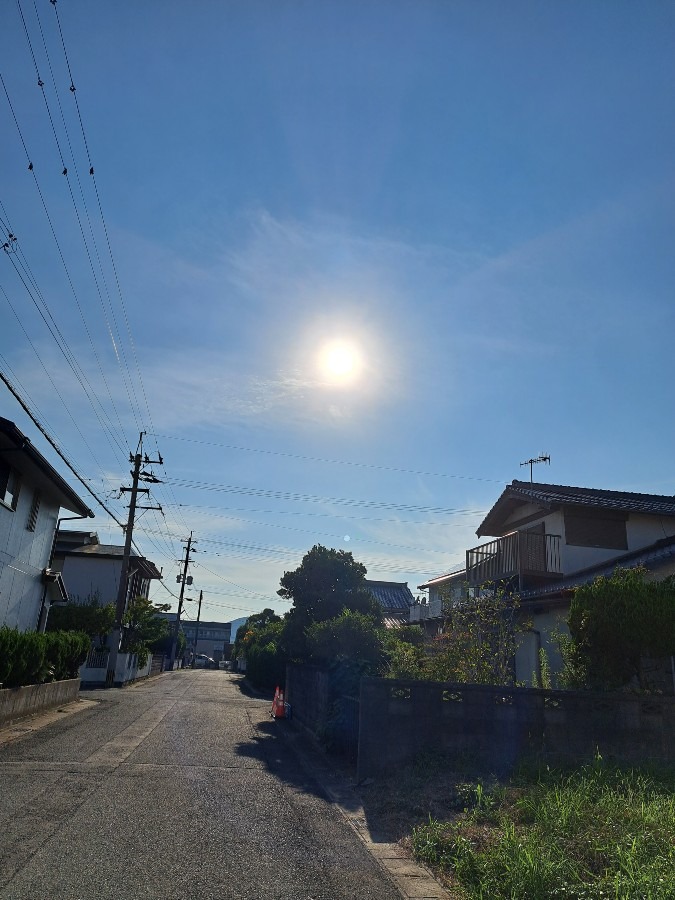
529	485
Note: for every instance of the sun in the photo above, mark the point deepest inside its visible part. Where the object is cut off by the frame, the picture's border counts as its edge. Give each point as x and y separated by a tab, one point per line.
340	361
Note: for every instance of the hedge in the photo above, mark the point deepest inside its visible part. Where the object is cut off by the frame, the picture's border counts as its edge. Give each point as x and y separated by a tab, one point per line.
28	657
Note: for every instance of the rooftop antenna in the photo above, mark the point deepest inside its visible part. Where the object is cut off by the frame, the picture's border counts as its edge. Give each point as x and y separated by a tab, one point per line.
542	458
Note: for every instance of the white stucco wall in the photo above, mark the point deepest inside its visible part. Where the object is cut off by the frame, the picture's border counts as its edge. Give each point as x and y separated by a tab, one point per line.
23	556
85	576
645	530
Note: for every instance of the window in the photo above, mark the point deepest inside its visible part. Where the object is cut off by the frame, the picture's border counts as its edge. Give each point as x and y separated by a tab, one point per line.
34	511
10	484
596	530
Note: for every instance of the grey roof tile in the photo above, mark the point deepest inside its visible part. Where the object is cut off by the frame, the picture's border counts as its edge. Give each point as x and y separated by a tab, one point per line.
391	595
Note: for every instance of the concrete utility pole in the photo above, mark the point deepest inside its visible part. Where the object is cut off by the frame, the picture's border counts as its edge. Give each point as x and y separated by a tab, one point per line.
183	581
121	606
199	615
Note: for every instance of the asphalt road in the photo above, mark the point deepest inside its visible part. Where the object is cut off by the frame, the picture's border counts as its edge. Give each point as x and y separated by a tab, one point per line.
179	787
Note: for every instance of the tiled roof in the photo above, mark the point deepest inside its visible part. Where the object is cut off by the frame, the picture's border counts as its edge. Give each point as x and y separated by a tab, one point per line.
651	557
391	595
550	495
115	551
625	501
442	579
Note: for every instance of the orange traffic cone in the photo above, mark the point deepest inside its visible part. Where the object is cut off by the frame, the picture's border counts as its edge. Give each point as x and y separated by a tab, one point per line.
278	708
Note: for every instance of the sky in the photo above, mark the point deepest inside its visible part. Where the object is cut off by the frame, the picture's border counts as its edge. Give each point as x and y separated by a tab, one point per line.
347	265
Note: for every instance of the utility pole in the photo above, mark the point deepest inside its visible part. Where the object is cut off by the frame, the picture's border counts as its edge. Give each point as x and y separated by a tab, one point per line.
183	577
199	615
542	458
120	607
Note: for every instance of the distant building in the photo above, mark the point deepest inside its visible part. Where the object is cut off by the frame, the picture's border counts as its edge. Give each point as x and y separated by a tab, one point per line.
31	495
213	639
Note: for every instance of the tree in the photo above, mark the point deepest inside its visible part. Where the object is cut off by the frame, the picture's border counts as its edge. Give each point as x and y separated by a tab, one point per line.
480	640
615	623
90	617
143	627
253	624
325	583
406	653
265	656
349	636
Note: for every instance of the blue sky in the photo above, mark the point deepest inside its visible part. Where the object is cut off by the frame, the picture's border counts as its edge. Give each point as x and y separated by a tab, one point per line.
478	197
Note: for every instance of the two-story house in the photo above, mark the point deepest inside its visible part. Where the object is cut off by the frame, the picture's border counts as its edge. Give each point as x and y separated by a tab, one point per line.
31	495
92	571
548	539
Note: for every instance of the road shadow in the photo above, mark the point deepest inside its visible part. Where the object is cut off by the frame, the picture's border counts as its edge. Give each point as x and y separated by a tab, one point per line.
272	745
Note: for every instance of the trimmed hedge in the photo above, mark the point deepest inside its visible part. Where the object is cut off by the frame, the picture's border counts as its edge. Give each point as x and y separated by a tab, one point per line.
28	657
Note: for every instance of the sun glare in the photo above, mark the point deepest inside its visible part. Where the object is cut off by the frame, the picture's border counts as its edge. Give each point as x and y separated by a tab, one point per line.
340	362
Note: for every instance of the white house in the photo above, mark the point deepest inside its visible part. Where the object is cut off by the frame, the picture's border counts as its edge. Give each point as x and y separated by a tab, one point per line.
548	539
31	494
91	570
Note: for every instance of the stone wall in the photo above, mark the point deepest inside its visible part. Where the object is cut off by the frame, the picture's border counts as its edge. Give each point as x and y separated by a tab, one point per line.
501	726
33	698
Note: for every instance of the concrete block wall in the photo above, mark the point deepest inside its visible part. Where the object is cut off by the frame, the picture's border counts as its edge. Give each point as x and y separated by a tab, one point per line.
15	703
500	726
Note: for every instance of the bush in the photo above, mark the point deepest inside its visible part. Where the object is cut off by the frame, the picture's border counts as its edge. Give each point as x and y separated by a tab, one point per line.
266	665
65	652
615	622
27	657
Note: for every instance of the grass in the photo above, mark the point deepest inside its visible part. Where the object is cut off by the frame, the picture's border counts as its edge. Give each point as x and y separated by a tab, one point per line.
599	832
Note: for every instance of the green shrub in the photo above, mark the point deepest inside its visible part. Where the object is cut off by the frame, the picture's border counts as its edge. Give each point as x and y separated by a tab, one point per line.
28	657
9	638
65	652
266	665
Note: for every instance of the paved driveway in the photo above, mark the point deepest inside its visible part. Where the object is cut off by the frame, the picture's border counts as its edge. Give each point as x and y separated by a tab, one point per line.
178	787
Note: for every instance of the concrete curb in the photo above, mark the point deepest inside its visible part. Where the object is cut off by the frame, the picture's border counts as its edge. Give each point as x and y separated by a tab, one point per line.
31	723
413	881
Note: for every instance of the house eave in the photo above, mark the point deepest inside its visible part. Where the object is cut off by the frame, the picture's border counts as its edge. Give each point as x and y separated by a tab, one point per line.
42	473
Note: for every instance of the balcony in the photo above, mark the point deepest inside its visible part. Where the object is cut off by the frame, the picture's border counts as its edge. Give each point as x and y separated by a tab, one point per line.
531	557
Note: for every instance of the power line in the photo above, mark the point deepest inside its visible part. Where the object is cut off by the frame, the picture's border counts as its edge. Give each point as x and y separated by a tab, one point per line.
336	462
330	534
127	383
271	494
56	390
341	515
53	443
92	173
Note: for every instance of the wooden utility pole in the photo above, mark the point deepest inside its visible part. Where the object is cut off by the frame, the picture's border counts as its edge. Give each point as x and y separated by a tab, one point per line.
183	581
122	589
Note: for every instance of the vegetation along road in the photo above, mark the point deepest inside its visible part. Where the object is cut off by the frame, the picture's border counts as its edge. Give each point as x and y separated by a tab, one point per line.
178	787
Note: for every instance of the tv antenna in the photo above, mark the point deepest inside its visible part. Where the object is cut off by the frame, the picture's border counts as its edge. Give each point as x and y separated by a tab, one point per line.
542	458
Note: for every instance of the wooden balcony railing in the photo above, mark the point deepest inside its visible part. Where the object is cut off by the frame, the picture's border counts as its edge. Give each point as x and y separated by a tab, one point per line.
521	553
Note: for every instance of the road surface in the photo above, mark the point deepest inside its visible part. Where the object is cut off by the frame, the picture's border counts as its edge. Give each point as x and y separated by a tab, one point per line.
181	786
